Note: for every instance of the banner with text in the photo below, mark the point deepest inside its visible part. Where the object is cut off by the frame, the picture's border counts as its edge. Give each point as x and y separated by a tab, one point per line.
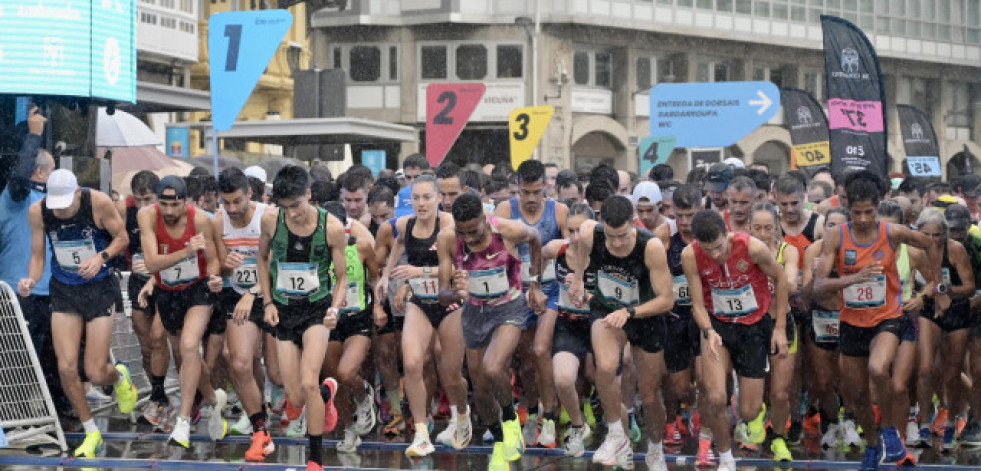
919	141
808	129
856	98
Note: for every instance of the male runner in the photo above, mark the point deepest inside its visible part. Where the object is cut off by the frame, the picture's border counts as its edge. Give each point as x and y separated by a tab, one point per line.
85	232
300	242
801	226
480	258
354	194
741	194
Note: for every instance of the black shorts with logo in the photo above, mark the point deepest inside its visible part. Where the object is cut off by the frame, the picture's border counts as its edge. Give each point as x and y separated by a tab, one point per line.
572	336
297	317
857	341
646	333
133	286
90	300
958	316
353	324
682	342
172	306
225	308
748	345
434	311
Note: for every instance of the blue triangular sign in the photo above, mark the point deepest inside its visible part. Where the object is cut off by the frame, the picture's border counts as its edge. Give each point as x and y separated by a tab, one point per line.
240	46
3	439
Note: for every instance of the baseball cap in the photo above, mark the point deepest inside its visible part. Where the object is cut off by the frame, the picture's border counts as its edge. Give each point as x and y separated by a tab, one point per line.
256	171
735	163
958	216
175	183
61	189
718	177
647	190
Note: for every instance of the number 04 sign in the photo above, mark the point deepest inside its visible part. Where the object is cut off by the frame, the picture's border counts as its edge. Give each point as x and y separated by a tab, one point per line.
448	108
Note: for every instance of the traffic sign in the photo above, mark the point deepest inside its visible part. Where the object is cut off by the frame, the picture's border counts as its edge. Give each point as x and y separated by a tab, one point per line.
655	150
240	46
924	166
448	108
525	129
711	114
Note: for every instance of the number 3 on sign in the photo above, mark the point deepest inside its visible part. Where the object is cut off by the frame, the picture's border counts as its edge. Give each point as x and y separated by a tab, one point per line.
526	126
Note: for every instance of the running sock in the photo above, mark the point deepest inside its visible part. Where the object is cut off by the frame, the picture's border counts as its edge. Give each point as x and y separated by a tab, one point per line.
314	451
89	426
422	428
507	413
258	421
615	428
496	431
157	392
551	415
454	412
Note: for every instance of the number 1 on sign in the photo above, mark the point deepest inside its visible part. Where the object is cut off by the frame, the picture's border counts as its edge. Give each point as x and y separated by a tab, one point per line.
234	35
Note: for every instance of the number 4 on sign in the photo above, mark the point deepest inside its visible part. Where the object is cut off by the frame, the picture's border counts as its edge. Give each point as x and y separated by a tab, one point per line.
526	126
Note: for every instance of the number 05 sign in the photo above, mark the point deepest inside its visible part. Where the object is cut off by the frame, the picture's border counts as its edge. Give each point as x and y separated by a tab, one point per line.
448	108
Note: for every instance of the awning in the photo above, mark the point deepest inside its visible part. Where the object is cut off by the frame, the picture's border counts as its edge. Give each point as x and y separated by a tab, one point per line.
156	98
289	132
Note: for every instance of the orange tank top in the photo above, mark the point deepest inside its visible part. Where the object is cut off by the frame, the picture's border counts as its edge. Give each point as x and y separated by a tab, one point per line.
871	302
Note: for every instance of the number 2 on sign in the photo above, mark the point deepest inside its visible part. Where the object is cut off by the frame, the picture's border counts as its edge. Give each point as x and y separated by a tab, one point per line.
444	116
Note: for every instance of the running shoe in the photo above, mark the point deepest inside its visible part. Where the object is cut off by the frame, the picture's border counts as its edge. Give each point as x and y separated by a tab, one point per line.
950	439
972	434
328	389
694	424
672	436
959	423
182	433
365	412
610	451
92	446
463	432
243	426
420	447
925	438
546	433
311	466
741	436
95	394
297	427
727	464
940	421
907	461
912	434
655	457
151	412
395	426
443	410
514	443
498	462
634	428
893	445
873	456
262	445
529	431
705	458
277	399
575	440
487	437
832	437
795	432
351	441
126	393
778	446
291	412
812	425
849	435
755	430
446	435
217	425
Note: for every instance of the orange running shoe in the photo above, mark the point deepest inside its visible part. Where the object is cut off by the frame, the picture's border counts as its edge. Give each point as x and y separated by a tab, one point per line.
292	412
939	422
330	411
959	425
907	461
812	425
672	437
682	427
262	446
706	457
522	414
311	466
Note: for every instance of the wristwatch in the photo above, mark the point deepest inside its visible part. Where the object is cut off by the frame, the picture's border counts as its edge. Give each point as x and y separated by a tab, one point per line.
535	279
427	271
940	289
705	332
105	255
254	291
631	311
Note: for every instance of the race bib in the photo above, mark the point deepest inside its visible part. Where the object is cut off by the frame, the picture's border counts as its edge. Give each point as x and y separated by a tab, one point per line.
71	253
184	271
548	272
679	285
352	298
488	284
425	288
624	292
247	274
826	325
866	295
567	306
734	302
297	280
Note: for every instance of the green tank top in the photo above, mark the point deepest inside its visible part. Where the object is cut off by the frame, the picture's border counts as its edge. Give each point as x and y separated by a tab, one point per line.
902	266
300	265
354	296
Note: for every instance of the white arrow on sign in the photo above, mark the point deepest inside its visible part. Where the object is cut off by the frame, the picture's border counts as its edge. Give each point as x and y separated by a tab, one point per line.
764	101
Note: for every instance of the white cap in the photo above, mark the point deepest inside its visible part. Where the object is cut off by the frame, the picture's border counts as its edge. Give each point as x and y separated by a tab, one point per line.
735	163
61	189
647	190
256	171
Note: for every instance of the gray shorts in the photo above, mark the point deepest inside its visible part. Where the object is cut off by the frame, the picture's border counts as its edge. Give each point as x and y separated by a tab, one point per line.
479	322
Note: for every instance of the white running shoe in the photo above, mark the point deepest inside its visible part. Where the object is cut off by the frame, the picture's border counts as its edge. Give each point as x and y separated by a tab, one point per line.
611	449
420	447
530	430
912	433
217	425
546	433
728	464
297	428
365	412
243	426
832	437
655	457
182	433
463	432
351	442
850	436
575	440
446	436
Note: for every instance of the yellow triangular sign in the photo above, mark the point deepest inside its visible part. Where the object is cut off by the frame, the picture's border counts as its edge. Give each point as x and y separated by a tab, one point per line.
525	128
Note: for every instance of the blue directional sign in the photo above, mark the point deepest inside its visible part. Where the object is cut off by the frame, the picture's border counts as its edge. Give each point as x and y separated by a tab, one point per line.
240	46
924	166
373	159
711	114
655	150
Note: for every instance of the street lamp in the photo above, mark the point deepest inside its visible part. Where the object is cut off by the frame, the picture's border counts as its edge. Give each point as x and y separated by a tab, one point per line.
294	52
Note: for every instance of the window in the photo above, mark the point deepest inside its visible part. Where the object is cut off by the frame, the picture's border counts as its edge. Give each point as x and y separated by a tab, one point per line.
957	101
338	59
814	84
762	8
148	18
580	68
652	71
167	3
364	63
711	71
168	22
604	69
723	5
187	6
744	6
592	68
509	62
434	62
471	62
393	63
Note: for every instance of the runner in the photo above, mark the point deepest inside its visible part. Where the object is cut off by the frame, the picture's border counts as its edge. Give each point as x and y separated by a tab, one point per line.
178	248
971	436
571	341
84	232
746	324
742	192
300	242
388	336
354	188
862	252
633	287
716	183
480	258
424	317
533	208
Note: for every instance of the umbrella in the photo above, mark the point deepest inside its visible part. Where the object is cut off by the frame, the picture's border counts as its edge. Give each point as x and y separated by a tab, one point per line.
121	181
224	161
126	159
122	129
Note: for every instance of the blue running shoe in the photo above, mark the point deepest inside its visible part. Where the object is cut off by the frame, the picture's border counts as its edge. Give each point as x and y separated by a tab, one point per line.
950	439
926	438
873	456
895	449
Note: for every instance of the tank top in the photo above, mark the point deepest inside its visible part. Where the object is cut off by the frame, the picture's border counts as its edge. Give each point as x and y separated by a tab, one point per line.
950	277
869	303
566	308
806	236
737	291
75	240
245	241
679	282
905	272
421	252
300	265
826	323
495	274
187	271
354	295
548	230
620	281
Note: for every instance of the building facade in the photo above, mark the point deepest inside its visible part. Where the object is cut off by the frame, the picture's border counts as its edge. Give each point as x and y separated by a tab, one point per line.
595	61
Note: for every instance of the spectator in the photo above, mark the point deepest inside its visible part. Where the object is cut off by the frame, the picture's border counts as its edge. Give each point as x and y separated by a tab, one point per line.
551	173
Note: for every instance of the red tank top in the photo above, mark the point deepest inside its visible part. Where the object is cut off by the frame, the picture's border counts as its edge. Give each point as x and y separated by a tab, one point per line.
869	303
739	286
495	274
182	274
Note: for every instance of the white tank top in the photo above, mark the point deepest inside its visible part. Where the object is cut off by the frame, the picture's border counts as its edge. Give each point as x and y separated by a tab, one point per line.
244	240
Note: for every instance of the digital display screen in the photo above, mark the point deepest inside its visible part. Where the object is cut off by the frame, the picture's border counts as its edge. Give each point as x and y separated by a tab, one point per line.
83	48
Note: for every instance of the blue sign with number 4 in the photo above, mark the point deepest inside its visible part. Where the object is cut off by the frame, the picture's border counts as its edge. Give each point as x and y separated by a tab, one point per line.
240	46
